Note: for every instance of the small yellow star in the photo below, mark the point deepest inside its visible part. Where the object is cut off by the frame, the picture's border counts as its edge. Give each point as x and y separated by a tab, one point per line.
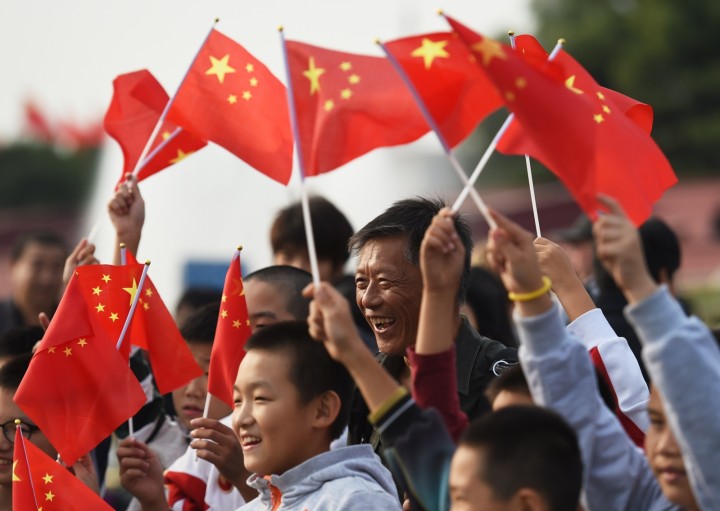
67	351
520	83
224	298
329	105
570	84
166	135
48	478
114	317
97	290
181	155
489	49
236	323
346	93
82	342
253	82
106	278
606	109
313	74
224	313
510	95
354	79
146	306
232	99
598	118
249	68
100	307
246	95
220	68
600	95
430	50
51	349
247	322
148	292
346	66
49	496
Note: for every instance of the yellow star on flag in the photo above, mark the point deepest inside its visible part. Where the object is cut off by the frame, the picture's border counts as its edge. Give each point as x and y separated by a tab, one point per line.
132	291
224	298
346	93
49	496
47	478
97	290
313	74
598	118
606	109
67	351
232	99
329	105
489	49
166	135
220	67
570	84
51	349
246	95
354	79
181	155
346	66
146	306
600	95
14	475
236	323
114	316
82	342
106	278
148	293
510	95
520	83
224	313
249	68
253	82
430	50
100	307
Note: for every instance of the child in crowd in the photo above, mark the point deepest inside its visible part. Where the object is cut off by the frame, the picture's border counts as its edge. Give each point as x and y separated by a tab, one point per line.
291	401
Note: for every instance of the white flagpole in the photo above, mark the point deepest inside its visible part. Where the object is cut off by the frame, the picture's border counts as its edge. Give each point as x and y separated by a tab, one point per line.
27	463
312	254
133	306
123	262
452	158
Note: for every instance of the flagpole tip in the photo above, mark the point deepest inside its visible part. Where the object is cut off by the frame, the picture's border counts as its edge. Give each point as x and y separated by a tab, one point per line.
377	41
147	262
123	245
18	422
217	20
239	248
511	33
280	28
441	12
562	41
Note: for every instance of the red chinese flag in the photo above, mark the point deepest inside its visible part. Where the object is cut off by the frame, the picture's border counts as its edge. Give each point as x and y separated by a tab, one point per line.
579	133
233	329
456	92
348	105
154	329
232	99
137	102
78	388
39	482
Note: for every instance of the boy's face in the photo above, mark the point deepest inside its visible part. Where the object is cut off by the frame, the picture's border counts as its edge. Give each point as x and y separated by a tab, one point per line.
189	401
36	276
273	425
665	457
468	491
9	411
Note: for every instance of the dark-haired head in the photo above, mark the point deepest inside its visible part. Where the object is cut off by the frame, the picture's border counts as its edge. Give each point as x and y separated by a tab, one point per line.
519	451
280	296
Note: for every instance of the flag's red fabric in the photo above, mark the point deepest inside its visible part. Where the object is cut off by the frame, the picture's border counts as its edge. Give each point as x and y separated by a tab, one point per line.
348	105
154	329
233	329
232	99
40	483
456	92
137	102
578	133
78	388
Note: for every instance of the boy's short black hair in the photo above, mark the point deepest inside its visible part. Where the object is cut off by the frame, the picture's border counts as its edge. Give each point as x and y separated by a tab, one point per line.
200	325
528	447
196	297
13	371
331	230
312	371
512	380
20	339
410	218
40	237
289	281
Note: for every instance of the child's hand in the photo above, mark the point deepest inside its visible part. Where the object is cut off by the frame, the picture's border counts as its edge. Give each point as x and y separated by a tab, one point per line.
84	469
331	322
127	209
82	254
555	263
618	246
442	255
217	443
141	472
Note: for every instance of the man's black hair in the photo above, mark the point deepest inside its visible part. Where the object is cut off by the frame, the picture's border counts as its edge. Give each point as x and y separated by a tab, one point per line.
289	281
488	299
200	325
20	339
331	230
528	447
196	297
312	371
13	371
40	237
410	218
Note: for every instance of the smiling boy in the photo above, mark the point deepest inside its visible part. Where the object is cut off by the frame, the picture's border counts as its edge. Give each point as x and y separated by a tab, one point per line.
291	401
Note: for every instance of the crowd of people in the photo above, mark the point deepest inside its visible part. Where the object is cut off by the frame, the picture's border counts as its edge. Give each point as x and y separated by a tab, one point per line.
420	383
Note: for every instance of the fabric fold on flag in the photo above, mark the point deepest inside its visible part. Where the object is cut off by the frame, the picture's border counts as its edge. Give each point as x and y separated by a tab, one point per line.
137	103
347	105
229	97
78	387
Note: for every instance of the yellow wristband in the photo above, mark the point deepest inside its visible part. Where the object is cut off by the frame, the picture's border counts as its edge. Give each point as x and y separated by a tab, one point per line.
526	297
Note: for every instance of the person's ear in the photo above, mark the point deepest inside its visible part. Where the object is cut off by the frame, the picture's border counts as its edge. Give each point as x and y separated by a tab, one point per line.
529	499
327	408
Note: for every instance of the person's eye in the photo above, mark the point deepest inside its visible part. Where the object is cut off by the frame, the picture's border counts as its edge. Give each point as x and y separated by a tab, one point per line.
261	398
385	284
360	283
237	402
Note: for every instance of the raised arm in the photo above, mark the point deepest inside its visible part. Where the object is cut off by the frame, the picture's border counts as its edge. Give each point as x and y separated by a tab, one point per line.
127	214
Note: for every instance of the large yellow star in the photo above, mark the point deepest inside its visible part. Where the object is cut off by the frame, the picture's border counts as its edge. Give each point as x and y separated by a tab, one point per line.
489	49
313	74
132	291
47	478
220	68
570	84
181	155
14	475
430	50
